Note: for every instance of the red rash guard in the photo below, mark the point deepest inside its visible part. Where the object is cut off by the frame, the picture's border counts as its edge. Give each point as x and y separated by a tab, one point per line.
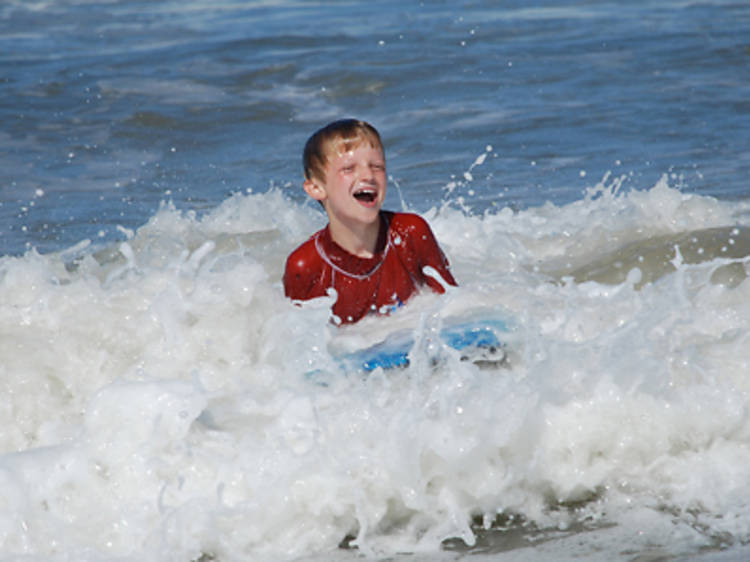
378	284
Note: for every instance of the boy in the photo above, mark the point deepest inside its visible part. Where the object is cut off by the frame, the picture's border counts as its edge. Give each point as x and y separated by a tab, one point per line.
373	259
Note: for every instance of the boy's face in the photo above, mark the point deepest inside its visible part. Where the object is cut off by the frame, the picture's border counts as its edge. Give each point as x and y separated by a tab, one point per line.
354	186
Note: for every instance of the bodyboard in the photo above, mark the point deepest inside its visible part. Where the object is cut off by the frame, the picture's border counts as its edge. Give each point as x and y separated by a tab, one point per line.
477	341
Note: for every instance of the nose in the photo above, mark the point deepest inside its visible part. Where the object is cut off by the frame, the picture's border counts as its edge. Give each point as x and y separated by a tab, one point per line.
366	173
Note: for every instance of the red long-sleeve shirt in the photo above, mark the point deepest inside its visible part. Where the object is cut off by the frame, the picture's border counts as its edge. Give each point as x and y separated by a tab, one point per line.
405	246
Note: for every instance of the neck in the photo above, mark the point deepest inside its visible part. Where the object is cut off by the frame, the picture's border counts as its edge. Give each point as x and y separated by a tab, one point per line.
358	240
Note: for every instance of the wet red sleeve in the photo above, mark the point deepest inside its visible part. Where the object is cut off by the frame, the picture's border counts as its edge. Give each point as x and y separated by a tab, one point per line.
427	251
302	272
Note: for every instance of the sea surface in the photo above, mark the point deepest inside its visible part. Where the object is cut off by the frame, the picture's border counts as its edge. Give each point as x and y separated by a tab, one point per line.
585	168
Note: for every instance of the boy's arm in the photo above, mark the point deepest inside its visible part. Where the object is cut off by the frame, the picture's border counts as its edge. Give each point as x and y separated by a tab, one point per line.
300	273
434	257
429	253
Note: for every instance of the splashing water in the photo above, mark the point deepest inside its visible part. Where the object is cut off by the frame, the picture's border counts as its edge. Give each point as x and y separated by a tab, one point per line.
157	405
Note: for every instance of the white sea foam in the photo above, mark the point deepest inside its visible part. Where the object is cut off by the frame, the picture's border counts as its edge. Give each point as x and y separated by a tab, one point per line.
160	403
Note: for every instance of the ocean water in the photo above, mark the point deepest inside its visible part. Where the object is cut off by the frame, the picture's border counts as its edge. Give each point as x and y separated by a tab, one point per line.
584	166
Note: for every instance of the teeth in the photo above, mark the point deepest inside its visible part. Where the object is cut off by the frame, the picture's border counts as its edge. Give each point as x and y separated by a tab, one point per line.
366	194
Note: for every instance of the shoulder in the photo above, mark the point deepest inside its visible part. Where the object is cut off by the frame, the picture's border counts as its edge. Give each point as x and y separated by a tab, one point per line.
303	258
408	223
413	230
303	270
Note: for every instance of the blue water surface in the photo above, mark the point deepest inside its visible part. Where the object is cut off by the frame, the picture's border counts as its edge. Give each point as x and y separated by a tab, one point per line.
110	108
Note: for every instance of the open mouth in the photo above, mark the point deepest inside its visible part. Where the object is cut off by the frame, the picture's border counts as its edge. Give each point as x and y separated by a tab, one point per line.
365	195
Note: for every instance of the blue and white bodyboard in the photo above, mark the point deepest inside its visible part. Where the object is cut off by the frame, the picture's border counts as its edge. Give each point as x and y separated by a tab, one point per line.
477	341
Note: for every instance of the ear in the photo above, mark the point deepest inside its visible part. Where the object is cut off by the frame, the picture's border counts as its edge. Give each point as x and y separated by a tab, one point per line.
314	189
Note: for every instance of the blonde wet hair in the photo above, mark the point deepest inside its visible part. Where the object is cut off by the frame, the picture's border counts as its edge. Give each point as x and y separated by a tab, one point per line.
339	136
